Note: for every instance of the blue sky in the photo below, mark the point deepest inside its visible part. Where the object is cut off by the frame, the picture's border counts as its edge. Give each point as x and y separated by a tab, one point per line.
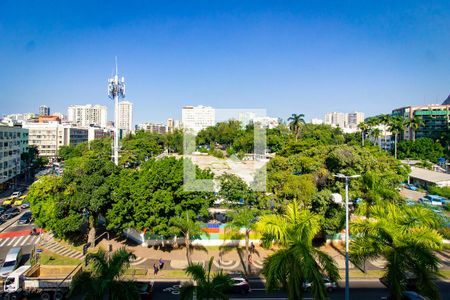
284	56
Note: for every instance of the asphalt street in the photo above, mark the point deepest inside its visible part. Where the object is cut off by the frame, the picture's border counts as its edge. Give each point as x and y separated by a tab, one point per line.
359	289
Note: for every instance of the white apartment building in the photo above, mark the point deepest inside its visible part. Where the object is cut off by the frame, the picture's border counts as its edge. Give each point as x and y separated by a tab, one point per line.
95	132
354	118
13	142
86	115
344	120
196	118
49	137
153	127
126	116
44	110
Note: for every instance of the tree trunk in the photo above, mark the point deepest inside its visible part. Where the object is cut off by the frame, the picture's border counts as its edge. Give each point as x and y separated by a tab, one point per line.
362	138
188	248
414	135
92	230
395	145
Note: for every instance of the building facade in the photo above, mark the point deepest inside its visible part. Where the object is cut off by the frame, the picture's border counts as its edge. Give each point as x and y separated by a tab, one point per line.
344	120
435	117
153	127
49	137
44	110
354	118
196	118
87	115
126	116
13	143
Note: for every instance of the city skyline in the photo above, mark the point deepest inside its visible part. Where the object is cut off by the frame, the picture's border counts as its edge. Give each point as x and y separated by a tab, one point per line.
283	57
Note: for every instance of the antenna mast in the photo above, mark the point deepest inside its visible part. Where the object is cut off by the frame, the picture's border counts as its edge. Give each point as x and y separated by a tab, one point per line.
116	91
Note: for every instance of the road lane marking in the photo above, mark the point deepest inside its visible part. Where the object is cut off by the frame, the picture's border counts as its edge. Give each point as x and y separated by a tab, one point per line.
12	241
4	242
26	239
18	241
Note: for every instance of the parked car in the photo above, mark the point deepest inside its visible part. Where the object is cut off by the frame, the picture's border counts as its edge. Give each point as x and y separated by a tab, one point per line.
240	285
25	205
329	285
432	200
16	194
11	262
410	202
411	187
8	201
19	201
10	213
25	218
4	208
145	290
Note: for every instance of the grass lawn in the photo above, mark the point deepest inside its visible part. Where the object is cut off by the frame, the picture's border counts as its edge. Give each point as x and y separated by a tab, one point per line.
50	258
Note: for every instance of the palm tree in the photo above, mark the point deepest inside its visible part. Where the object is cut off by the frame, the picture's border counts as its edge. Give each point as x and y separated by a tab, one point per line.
207	285
376	133
189	229
396	125
295	123
106	276
363	126
297	261
414	124
243	218
406	237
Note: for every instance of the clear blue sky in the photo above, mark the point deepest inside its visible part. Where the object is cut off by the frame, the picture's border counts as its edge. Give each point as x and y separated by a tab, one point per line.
284	56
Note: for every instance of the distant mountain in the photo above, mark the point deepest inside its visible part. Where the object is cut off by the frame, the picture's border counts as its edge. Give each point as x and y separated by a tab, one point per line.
447	101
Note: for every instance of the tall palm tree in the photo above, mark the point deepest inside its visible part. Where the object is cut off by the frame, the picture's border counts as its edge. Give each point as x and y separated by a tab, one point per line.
295	123
297	260
363	126
243	218
207	285
376	133
396	125
189	229
406	237
414	124
106	277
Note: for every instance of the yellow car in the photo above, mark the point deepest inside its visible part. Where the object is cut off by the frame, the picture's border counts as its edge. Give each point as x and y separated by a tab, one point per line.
8	202
20	200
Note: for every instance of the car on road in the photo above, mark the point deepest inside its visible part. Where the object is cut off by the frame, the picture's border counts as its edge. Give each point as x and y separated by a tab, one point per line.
19	201
15	195
10	213
4	208
8	201
330	285
11	262
432	200
240	285
25	205
411	187
25	218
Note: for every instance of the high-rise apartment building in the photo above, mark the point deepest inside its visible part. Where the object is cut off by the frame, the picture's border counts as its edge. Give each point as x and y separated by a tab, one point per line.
196	118
344	120
126	116
49	137
170	125
354	118
153	127
44	110
435	117
87	115
13	142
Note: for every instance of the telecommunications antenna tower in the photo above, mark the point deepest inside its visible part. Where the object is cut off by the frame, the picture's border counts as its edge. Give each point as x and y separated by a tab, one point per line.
116	91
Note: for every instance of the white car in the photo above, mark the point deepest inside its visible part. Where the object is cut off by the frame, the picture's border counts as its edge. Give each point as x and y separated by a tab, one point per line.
329	285
16	195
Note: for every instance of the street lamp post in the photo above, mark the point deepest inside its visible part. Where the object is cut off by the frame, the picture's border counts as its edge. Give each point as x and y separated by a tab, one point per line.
347	179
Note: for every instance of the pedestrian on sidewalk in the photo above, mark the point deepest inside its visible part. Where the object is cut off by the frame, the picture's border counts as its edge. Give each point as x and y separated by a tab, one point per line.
161	264
155	269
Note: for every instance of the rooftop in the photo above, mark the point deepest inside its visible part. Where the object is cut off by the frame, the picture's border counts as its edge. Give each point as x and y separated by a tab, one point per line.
429	176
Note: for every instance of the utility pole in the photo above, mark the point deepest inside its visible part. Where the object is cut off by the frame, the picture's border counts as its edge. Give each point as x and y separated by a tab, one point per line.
116	90
347	179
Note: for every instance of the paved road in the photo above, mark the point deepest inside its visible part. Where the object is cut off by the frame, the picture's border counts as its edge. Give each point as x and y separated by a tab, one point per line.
362	289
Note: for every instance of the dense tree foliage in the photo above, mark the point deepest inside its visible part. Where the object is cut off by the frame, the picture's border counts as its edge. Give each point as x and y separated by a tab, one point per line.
149	197
421	148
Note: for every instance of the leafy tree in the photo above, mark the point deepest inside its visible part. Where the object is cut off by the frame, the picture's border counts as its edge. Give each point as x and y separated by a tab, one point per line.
243	218
363	127
406	237
396	126
297	260
414	123
207	285
141	146
421	148
295	123
106	277
234	189
149	197
190	229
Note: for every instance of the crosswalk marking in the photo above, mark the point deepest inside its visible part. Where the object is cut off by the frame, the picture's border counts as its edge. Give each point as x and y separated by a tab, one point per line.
18	241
